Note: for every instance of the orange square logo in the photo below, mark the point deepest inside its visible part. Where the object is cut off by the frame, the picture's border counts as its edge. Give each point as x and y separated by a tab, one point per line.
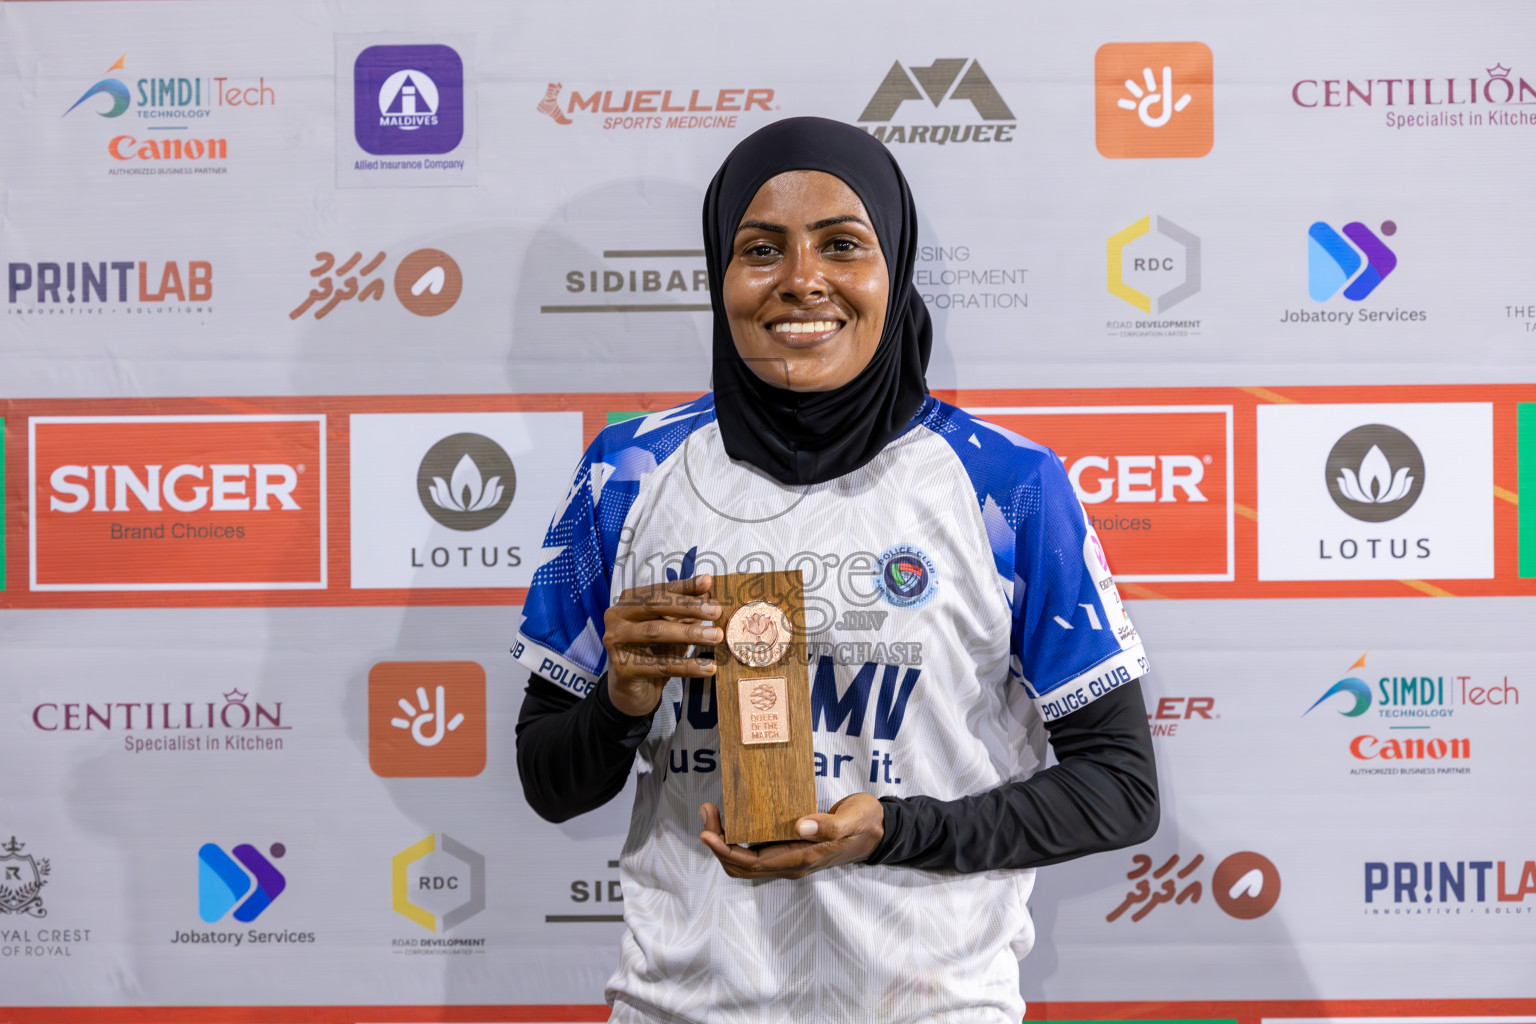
426	719
1153	100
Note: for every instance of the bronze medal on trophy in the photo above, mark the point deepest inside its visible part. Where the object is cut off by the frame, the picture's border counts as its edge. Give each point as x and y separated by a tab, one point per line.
767	767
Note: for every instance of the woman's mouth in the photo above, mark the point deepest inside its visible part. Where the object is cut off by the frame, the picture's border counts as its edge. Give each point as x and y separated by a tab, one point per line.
801	331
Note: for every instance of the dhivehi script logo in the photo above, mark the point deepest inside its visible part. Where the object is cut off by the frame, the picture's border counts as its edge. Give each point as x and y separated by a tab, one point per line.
1375	473
466	481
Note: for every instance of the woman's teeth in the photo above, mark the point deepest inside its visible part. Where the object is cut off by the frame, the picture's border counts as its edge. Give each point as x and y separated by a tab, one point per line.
806	327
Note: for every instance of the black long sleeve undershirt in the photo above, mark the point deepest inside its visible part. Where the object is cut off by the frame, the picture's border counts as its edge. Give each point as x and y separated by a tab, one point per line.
574	755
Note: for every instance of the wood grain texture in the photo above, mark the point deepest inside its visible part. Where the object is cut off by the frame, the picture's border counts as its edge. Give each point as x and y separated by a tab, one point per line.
766	786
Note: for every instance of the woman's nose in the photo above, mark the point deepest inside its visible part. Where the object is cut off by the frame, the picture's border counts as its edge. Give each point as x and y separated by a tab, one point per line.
803	277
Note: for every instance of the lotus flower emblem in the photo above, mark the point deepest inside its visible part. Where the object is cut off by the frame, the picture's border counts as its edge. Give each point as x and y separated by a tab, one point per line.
762	629
466	491
1375	483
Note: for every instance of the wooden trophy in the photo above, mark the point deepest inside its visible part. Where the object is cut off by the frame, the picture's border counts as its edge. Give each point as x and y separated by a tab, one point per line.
763	693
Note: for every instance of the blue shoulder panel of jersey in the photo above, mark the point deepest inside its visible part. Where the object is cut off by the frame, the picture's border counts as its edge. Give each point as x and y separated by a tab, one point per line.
1070	632
561	636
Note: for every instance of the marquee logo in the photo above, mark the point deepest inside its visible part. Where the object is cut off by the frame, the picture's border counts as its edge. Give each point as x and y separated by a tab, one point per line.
1332	262
466	481
22	878
1155	481
426	719
408	99
948	81
177	502
439	883
1154	100
1375	473
1178	276
223	882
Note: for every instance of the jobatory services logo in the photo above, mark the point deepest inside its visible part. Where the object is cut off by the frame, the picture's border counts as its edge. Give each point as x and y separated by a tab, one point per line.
42	288
1351	263
1456	888
427	282
973	109
455	499
1375	492
217	502
438	883
1153	264
654	109
1244	885
168	123
230	722
1156	482
1490	97
239	883
426	719
408	100
1154	100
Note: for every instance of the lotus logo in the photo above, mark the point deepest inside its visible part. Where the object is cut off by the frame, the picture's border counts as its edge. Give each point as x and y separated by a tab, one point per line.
466	482
1375	473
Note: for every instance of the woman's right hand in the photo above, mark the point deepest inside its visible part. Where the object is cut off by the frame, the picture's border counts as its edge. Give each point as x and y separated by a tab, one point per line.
647	632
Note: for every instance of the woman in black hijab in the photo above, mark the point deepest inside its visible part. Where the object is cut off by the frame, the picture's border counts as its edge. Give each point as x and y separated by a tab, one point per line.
906	898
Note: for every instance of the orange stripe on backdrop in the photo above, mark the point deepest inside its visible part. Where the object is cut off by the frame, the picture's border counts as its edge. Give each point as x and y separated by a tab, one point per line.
595	409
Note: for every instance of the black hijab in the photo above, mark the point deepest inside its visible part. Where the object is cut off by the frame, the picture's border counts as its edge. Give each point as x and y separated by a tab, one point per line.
807	437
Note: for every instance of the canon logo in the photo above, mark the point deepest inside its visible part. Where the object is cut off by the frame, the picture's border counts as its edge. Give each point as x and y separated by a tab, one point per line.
219	487
1098	478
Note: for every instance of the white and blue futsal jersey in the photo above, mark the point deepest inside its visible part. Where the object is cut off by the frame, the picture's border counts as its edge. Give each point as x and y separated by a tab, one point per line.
957	599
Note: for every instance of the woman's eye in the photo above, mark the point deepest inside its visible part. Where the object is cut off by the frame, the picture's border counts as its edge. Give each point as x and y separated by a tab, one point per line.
842	245
759	252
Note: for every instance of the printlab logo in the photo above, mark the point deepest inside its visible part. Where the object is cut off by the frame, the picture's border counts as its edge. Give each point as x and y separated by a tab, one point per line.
408	99
1375	473
439	883
224	881
426	719
1245	885
1154	100
92	288
427	282
22	878
1332	262
1177	275
466	481
946	81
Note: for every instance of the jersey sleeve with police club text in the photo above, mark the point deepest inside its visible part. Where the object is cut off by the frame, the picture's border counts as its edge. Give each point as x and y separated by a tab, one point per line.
1072	641
561	636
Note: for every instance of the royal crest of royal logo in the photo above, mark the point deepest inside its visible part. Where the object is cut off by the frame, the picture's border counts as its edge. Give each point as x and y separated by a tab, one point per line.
22	877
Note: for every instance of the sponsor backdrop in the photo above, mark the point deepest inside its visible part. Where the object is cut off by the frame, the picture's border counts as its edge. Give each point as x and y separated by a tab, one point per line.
310	308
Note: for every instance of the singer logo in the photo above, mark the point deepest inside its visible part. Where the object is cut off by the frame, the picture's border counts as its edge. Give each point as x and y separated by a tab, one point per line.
1156	482
426	719
1153	100
177	502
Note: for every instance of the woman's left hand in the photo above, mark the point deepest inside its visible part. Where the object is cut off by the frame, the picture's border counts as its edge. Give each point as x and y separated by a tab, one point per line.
848	833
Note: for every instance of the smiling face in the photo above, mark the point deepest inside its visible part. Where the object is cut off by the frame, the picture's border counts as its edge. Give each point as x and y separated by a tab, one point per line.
807	287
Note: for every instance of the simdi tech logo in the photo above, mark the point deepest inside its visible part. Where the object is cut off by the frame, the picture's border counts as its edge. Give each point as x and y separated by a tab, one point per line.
1375	492
121	503
455	499
1156	482
426	719
1154	100
973	109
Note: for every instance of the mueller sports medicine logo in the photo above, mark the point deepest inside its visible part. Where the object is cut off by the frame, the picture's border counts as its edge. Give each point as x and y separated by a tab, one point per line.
1153	100
653	109
109	287
426	719
138	106
232	723
439	883
427	282
1155	482
1153	265
1459	887
1482	98
177	502
1375	473
408	100
972	107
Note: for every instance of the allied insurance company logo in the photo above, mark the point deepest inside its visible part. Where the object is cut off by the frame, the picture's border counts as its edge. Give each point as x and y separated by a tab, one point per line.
1155	481
168	112
1154	100
246	882
426	719
1162	258
653	109
217	502
1245	885
408	100
1409	103
427	282
101	287
959	84
439	883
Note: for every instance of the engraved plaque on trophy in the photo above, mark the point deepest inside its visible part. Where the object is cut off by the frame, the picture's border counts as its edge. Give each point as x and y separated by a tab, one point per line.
767	767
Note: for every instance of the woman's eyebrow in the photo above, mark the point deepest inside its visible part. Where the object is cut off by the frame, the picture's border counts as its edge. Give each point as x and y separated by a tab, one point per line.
762	225
828	222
